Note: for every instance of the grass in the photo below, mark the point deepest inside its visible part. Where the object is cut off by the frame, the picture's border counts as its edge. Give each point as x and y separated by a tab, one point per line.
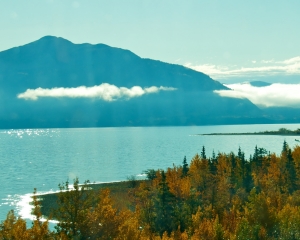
120	192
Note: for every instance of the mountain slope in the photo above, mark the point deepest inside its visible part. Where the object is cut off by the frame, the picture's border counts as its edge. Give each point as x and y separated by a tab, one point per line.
55	62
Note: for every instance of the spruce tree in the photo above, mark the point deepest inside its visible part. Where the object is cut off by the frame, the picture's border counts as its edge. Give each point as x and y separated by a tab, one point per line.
203	155
290	167
213	163
185	167
164	208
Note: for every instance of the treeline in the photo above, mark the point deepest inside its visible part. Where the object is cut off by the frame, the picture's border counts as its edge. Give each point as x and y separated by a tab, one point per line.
221	197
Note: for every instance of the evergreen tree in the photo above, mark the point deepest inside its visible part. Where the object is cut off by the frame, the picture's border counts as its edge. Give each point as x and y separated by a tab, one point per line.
213	163
285	147
233	160
185	167
291	177
234	176
203	155
255	155
241	156
248	180
150	174
258	159
213	155
164	208
291	172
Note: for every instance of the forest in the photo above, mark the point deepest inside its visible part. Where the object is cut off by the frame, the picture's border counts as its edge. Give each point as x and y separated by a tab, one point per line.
225	196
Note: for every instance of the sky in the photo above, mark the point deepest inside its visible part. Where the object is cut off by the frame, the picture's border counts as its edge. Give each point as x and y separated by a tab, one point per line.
232	41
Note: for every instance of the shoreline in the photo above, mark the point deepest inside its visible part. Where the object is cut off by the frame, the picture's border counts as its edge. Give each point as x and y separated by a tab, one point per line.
230	134
118	191
279	132
48	199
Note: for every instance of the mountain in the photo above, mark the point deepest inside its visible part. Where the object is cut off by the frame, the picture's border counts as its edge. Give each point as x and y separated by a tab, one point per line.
53	62
259	84
282	114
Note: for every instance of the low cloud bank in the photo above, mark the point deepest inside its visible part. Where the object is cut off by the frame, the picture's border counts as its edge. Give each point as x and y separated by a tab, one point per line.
257	69
275	95
105	91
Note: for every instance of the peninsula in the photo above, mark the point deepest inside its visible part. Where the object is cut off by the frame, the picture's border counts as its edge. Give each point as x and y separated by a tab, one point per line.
281	132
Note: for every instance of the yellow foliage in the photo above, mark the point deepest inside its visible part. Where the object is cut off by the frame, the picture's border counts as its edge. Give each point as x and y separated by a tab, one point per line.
179	186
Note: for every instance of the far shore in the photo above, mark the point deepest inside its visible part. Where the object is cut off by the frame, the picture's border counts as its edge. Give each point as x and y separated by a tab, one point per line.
280	132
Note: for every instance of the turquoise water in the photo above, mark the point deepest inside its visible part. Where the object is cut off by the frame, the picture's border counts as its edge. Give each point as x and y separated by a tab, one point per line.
43	158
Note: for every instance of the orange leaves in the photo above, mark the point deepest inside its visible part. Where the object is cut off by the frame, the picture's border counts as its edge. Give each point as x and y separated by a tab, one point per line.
289	222
73	207
208	229
199	173
180	187
13	228
103	220
107	222
175	235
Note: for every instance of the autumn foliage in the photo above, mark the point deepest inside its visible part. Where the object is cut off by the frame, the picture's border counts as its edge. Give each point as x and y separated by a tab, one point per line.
222	197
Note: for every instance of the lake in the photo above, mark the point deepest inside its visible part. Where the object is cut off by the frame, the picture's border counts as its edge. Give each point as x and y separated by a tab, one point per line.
43	158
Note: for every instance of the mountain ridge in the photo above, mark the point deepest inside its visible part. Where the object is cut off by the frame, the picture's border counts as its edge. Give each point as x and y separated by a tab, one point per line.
53	62
113	60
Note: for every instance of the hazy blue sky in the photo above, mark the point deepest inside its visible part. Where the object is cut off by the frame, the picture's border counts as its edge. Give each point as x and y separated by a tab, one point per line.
231	38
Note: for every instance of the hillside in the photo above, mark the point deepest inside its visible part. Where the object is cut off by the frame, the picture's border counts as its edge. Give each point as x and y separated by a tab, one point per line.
52	62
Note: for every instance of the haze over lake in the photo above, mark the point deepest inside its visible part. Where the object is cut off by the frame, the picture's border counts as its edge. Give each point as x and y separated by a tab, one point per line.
43	158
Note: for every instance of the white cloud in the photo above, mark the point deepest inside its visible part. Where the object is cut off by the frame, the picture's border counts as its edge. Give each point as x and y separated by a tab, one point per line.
295	60
267	61
280	95
266	68
104	91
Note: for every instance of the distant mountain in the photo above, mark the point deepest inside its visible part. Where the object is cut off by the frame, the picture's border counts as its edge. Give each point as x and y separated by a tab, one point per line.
259	84
52	62
283	114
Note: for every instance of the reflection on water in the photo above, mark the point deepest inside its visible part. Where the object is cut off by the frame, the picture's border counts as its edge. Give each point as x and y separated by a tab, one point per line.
20	133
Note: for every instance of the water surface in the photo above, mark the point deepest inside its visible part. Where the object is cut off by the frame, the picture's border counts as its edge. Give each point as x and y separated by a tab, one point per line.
42	158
